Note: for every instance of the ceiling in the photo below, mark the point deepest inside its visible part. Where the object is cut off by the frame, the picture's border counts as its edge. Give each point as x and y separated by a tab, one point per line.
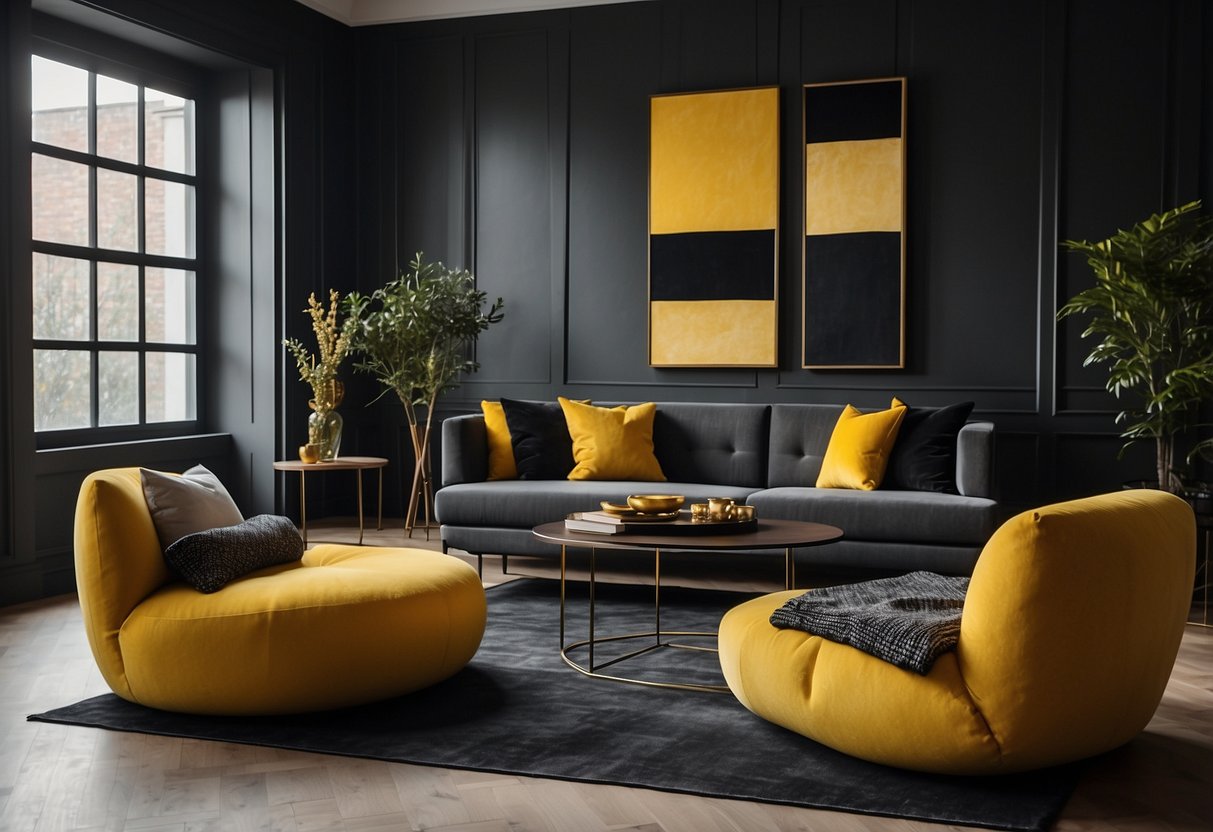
371	12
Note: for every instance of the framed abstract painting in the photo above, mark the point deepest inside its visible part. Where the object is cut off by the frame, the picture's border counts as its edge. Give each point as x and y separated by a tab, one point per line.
854	224
714	229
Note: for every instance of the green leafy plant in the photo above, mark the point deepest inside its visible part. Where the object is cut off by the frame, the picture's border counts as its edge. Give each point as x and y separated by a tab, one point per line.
1152	310
415	335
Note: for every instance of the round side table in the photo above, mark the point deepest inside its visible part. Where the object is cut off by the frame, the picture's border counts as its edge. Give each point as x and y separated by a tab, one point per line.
357	464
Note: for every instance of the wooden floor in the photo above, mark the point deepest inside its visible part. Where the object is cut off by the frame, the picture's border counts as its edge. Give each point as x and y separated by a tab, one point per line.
55	777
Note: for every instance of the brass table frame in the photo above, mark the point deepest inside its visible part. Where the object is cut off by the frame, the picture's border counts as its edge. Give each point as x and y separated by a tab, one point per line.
792	537
357	464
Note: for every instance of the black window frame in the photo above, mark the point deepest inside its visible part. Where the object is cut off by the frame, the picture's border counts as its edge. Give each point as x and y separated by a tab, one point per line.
99	53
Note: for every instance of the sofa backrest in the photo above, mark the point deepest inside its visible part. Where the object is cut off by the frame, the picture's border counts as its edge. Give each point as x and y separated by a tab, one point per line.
718	444
800	434
715	444
749	445
118	562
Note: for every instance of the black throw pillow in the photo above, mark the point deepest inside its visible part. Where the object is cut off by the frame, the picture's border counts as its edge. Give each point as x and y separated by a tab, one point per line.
209	560
924	455
543	449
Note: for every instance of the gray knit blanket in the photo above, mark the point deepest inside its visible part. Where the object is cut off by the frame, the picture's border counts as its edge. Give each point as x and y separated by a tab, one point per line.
908	621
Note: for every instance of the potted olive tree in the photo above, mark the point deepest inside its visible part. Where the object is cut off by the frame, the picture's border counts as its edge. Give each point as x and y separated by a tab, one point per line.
415	336
1152	310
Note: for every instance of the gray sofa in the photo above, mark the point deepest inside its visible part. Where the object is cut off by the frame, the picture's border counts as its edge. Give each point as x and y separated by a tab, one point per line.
768	456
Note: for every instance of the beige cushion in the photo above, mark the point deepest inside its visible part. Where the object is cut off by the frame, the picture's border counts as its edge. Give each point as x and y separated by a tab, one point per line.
183	504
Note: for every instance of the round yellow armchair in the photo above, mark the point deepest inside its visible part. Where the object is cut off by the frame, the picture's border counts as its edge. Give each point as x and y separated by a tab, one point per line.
1070	628
343	626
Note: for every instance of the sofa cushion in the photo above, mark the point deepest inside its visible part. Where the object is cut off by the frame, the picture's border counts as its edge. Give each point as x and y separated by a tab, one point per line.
211	559
859	448
904	516
497	437
540	439
192	502
612	443
924	455
523	504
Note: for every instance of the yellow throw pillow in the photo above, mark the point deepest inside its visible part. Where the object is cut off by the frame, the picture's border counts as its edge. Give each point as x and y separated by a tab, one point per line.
859	448
613	443
501	450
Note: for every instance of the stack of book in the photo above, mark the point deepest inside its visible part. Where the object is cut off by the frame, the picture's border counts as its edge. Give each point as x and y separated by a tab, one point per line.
604	522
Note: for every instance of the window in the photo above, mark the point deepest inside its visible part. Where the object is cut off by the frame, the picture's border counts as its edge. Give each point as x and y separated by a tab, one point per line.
114	252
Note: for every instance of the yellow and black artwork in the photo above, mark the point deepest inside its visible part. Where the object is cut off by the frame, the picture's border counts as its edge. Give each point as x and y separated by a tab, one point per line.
713	229
854	224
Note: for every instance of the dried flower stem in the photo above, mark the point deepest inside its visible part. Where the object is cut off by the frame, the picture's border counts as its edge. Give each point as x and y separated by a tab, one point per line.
333	342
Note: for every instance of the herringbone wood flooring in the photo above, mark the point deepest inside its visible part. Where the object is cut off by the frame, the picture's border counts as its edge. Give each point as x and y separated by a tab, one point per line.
61	778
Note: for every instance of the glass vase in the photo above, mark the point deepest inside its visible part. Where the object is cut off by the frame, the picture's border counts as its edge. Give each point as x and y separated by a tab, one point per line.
324	431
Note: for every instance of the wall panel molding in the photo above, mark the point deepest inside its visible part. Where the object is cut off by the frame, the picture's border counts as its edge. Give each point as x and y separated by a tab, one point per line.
1052	105
512	200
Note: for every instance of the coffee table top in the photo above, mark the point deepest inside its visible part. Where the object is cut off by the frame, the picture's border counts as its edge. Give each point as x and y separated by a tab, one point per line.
770	534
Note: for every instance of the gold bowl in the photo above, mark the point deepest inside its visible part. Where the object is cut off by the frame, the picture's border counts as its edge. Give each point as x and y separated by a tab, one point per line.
655	503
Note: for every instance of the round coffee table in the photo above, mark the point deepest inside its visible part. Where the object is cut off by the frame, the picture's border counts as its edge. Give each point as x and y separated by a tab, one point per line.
768	534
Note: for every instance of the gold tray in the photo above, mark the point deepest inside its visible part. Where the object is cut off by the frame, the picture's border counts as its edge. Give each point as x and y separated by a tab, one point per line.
631	514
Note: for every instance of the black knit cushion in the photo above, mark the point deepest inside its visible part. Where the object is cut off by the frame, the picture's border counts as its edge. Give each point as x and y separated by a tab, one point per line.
208	560
909	620
924	455
543	449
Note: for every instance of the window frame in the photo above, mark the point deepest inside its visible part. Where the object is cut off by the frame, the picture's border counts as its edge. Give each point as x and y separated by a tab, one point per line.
143	68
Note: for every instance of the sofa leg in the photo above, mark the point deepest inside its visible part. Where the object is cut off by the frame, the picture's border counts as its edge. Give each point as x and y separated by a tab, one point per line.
505	564
480	565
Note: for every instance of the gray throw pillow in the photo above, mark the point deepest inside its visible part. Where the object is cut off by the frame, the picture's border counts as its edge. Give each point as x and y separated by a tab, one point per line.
210	559
192	502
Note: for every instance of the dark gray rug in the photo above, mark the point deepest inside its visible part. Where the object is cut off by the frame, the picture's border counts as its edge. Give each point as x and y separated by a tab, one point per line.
518	709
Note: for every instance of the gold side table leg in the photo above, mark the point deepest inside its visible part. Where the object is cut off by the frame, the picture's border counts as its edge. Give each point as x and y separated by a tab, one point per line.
593	565
657	596
360	530
562	557
303	506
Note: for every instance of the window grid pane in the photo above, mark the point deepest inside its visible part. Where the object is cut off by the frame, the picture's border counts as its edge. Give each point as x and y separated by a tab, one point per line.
117	302
170	383
117	120
62	389
168	131
169	306
62	302
60	200
117	210
93	207
117	388
59	95
168	210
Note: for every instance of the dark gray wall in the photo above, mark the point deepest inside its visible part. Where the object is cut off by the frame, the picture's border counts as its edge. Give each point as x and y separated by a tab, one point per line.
517	145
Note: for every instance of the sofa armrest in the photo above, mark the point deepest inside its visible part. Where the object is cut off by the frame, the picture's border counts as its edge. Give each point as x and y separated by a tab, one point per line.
975	460
465	449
